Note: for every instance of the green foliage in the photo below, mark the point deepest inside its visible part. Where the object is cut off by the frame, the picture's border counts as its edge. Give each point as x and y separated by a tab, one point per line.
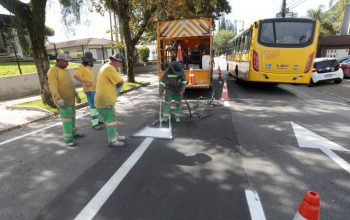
49	32
221	40
326	20
143	53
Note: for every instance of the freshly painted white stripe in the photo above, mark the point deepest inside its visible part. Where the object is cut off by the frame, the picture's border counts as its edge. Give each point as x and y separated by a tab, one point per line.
255	208
342	163
36	131
91	209
58	123
227	103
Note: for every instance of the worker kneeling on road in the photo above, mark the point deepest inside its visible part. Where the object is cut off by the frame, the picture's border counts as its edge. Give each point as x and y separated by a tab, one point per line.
173	83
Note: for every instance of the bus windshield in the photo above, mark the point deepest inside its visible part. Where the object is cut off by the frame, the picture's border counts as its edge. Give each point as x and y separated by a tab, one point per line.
286	33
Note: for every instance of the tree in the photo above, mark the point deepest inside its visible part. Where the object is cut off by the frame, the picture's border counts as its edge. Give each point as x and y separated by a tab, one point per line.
222	39
325	18
32	16
138	18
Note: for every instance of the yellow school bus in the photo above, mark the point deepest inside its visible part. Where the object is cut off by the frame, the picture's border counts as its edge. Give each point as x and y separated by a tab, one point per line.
190	41
277	50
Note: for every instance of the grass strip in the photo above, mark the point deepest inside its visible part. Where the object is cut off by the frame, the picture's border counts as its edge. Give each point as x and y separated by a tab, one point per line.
39	103
11	69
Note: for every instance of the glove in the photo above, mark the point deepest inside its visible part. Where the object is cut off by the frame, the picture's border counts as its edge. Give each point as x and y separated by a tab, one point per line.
78	99
60	103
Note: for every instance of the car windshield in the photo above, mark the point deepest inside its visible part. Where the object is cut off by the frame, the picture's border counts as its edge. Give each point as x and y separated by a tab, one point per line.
281	33
344	60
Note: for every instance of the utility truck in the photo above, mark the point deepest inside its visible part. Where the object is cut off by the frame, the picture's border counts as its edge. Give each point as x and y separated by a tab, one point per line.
190	42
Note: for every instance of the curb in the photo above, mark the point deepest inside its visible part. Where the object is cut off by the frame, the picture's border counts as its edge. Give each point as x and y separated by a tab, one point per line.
52	115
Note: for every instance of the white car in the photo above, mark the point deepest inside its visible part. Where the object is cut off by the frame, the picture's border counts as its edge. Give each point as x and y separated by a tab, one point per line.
326	69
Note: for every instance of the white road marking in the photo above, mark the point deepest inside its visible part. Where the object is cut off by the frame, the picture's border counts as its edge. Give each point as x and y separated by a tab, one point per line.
95	204
255	207
308	139
58	123
36	131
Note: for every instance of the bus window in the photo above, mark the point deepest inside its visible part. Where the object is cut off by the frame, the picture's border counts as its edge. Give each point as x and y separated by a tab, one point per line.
267	33
286	33
293	32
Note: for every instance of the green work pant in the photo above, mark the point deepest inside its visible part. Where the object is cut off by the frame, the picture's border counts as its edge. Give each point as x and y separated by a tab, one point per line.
67	114
110	120
169	97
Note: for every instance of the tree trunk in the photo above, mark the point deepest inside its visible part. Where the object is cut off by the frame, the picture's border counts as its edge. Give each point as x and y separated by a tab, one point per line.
129	52
36	29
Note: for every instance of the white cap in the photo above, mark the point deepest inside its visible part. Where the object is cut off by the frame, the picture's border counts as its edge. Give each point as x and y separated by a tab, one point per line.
63	56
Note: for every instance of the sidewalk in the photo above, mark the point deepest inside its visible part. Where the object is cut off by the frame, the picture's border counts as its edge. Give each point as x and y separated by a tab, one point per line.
12	118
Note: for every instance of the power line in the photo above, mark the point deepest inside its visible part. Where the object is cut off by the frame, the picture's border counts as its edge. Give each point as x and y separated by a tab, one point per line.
297	4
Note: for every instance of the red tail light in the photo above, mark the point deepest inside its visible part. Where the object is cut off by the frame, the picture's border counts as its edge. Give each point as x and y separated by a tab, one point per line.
309	63
337	66
255	61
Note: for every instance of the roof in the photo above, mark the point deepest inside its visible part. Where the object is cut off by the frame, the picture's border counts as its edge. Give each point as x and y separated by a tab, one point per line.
79	43
335	40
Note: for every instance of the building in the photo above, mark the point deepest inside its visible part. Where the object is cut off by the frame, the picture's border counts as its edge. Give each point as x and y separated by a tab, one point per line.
9	40
334	46
100	48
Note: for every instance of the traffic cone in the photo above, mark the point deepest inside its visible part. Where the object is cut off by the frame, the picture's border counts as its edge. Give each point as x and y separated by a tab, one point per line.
191	76
309	208
179	54
219	72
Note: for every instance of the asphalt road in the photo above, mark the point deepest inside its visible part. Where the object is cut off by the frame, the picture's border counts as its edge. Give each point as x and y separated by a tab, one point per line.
204	173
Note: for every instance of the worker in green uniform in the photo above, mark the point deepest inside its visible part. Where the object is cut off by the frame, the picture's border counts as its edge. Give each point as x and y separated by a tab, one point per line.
85	75
63	93
106	97
173	83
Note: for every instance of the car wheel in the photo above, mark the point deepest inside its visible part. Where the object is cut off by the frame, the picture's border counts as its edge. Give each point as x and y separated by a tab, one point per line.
311	83
337	81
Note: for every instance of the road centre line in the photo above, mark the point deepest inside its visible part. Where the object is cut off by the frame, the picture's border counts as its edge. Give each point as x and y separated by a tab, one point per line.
95	204
255	207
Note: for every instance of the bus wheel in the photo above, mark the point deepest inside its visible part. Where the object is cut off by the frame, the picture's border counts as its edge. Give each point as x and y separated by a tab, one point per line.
236	72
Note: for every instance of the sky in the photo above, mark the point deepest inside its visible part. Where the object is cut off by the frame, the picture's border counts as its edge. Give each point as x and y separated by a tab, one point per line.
95	25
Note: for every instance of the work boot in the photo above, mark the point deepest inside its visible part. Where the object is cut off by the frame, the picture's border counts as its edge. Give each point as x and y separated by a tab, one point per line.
97	127
121	138
116	143
71	144
78	135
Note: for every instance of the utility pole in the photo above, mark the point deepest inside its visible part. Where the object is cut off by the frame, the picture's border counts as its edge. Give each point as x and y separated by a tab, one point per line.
111	25
283	9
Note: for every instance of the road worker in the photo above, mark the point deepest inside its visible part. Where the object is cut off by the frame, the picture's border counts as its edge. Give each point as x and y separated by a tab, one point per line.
85	75
106	97
173	84
63	93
